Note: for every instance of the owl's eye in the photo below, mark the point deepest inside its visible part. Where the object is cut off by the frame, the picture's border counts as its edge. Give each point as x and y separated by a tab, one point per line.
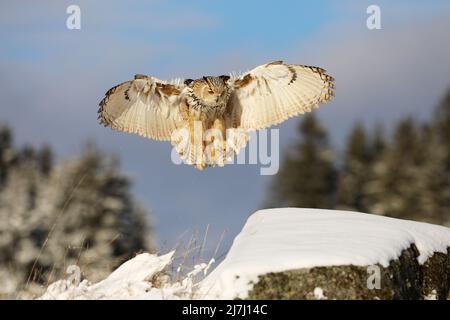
210	91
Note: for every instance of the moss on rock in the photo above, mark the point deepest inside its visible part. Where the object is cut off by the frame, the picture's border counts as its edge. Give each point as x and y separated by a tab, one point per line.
404	278
436	275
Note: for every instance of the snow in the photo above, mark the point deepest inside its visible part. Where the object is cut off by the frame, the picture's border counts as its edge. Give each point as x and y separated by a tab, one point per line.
276	240
431	296
318	294
130	277
132	280
272	240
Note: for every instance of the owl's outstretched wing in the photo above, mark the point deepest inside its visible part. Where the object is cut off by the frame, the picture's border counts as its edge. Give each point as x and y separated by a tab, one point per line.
271	93
146	106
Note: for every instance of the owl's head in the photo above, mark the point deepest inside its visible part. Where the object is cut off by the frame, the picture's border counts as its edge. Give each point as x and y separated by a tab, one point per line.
210	90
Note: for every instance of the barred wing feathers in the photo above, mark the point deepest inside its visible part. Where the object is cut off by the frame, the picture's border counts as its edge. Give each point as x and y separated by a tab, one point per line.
145	106
274	92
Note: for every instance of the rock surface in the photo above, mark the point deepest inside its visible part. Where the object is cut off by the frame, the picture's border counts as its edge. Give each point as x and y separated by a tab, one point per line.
324	254
404	278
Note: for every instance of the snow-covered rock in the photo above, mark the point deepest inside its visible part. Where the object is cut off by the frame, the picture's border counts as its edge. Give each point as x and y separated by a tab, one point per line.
287	253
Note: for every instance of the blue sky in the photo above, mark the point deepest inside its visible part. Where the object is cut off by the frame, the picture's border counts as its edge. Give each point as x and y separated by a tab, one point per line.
52	78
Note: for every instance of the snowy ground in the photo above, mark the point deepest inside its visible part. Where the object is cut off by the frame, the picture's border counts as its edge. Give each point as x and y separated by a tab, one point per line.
271	241
139	278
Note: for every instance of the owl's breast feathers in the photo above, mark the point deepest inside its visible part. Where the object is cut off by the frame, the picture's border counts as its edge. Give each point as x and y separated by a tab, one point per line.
203	139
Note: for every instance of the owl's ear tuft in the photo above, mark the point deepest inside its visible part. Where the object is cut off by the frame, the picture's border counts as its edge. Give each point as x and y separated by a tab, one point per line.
225	78
188	81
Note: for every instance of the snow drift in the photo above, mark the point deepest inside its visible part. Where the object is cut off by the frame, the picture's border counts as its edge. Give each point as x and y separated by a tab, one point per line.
139	278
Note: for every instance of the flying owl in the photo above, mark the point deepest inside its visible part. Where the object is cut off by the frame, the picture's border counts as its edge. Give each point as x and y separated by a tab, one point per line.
208	120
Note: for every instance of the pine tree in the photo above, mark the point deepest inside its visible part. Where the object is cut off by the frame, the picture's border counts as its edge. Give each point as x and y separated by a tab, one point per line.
441	120
378	143
45	160
355	171
397	173
436	195
307	176
19	225
97	222
76	212
7	155
372	188
405	176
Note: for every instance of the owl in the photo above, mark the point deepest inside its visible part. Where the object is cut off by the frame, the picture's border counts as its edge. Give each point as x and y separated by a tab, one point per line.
208	120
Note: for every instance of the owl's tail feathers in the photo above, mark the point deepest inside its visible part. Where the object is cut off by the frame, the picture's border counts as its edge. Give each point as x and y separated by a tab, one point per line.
208	148
189	146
